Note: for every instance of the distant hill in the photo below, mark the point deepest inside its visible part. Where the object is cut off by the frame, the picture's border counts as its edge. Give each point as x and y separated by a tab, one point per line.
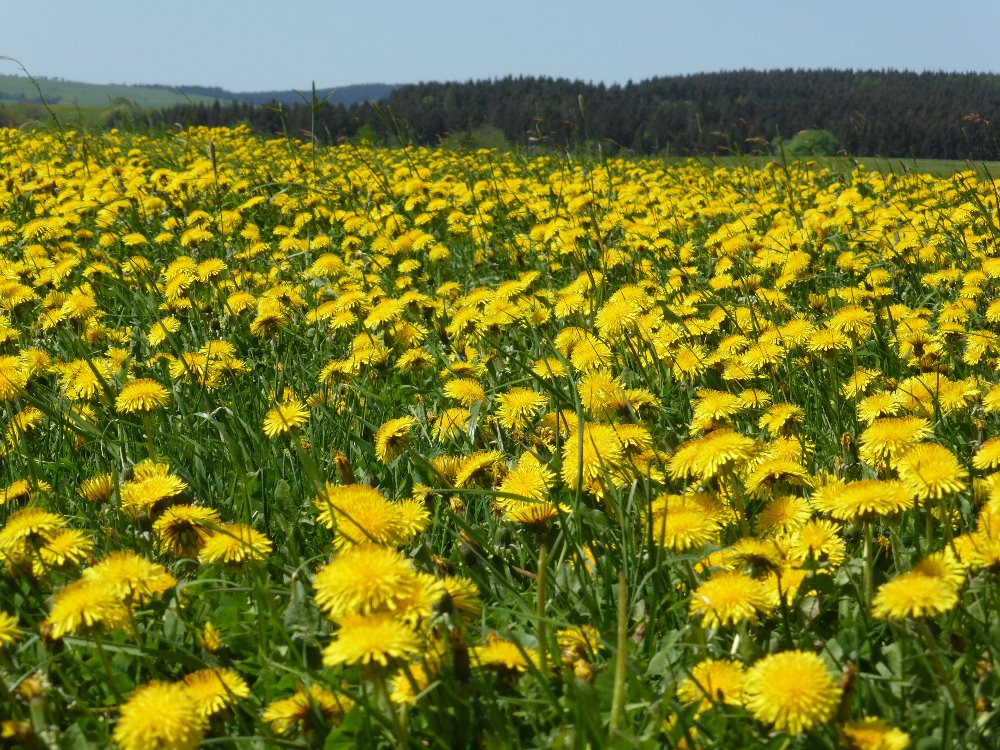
20	90
360	93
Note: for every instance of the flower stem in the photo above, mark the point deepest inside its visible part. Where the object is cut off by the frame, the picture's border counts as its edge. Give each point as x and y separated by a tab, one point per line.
869	574
541	634
147	425
949	684
621	657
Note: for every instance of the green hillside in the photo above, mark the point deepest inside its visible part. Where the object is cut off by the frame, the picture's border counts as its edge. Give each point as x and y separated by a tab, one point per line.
21	89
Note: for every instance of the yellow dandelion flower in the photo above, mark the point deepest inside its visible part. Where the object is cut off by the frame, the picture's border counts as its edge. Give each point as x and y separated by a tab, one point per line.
141	395
988	455
360	514
377	638
86	604
9	631
287	416
873	733
930	471
820	539
361	580
728	598
450	423
182	530
462	596
26	529
98	488
782	515
589	455
147	490
301	709
930	589
792	691
22	489
13	377
131	576
708	456
518	407
161	715
162	329
713	681
392	437
62	548
500	653
866	498
886	440
214	689
234	543
681	523
465	390
478	466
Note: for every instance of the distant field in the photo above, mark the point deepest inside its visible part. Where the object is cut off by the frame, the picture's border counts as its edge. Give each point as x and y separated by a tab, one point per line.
935	167
91	94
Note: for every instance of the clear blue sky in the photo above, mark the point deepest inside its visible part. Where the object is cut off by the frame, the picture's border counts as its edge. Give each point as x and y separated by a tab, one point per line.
245	45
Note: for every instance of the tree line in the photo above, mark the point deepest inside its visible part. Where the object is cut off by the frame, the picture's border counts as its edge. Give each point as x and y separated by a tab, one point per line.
868	113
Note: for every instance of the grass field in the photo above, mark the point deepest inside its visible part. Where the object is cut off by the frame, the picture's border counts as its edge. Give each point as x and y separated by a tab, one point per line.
74	93
358	447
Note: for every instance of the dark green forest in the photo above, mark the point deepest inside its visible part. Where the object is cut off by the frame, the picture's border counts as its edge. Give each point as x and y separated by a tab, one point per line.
870	113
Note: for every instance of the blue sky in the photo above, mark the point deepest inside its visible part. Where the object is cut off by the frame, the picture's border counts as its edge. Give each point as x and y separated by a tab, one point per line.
280	44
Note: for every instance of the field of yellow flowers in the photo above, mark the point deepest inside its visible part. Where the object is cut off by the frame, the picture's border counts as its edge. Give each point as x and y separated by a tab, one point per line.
349	447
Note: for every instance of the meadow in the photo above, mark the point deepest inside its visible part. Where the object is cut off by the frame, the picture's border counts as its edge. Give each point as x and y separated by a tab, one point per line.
351	447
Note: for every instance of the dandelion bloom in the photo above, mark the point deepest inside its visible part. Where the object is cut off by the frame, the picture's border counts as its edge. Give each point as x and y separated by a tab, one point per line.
500	653
289	415
151	485
214	689
680	523
22	489
930	589
713	681
930	471
360	514
98	488
886	440
131	576
518	406
236	542
462	596
819	538
86	604
161	715
791	691
28	528
182	530
523	493
141	396
300	709
988	455
479	465
364	579
728	598
372	639
465	390
8	629
782	515
866	498
716	452
589	454
392	437
873	733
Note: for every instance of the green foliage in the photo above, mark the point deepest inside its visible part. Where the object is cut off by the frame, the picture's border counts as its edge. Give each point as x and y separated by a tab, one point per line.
811	143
